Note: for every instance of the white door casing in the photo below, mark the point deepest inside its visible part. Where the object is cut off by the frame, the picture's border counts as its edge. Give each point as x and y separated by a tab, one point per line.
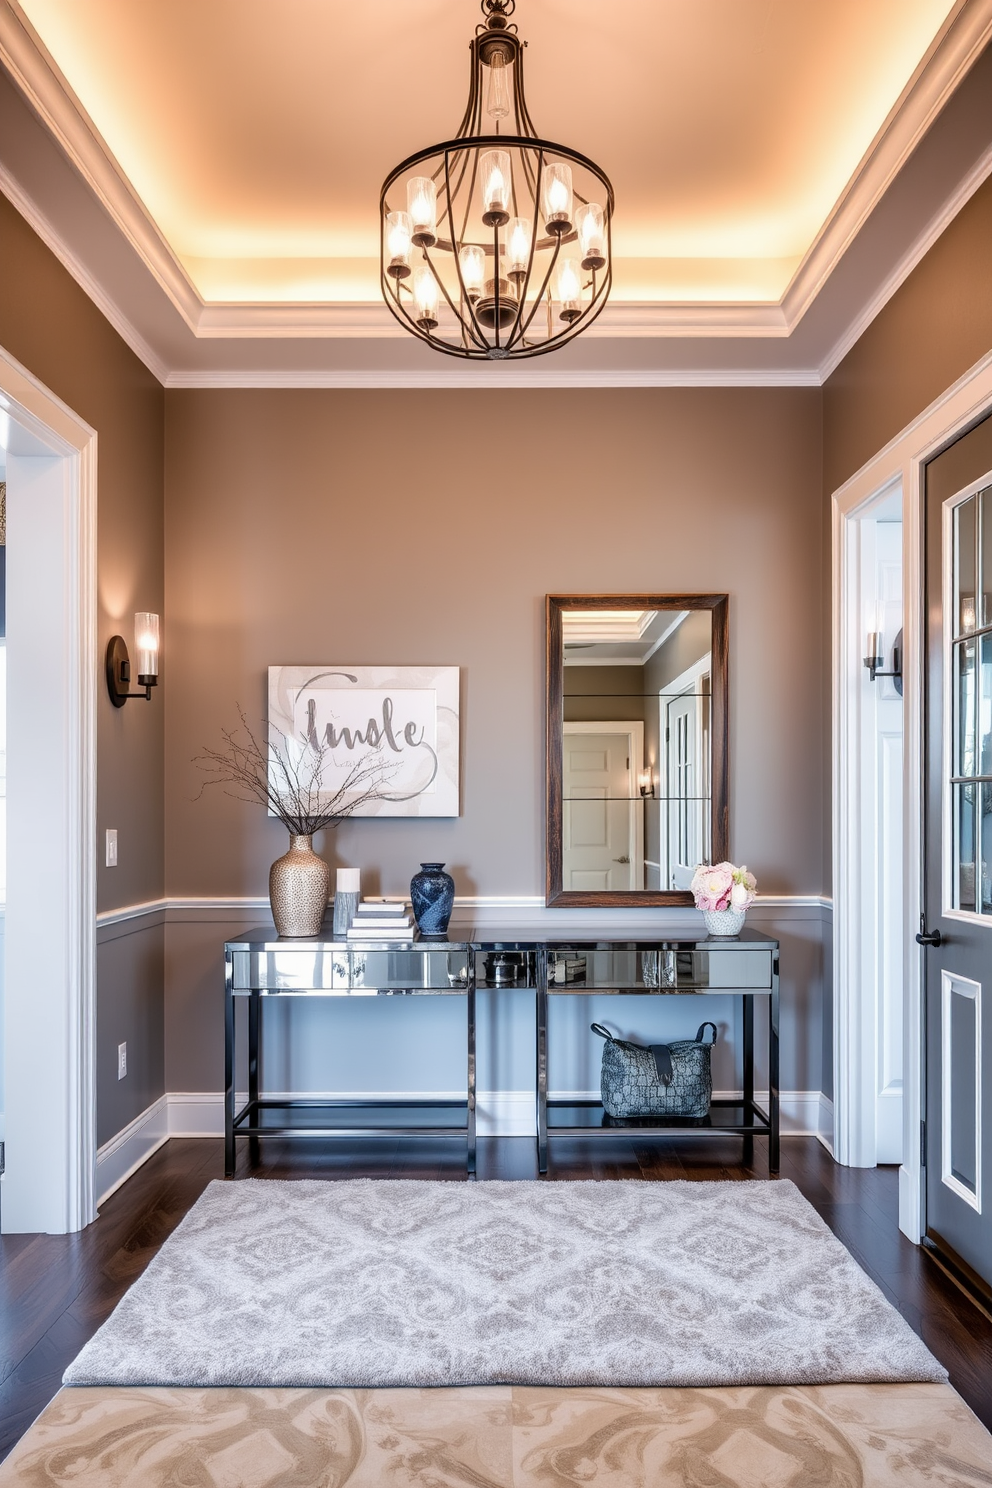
51	824
898	466
602	812
686	803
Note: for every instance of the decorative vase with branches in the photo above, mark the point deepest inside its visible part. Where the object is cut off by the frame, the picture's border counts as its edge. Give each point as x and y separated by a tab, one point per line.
288	779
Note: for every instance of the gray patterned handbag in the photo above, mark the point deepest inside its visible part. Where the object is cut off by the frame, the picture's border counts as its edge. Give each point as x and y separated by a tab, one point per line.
659	1079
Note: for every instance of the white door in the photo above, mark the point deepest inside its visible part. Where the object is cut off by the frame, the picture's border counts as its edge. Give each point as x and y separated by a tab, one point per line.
686	787
600	840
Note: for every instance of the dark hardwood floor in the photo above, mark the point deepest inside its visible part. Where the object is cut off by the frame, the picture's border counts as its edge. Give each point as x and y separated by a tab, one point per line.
55	1291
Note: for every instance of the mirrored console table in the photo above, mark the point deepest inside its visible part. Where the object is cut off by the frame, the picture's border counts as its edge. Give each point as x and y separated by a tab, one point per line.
261	966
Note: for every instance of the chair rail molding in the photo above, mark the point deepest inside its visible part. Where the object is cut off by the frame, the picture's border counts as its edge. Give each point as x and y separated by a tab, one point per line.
900	462
50	1012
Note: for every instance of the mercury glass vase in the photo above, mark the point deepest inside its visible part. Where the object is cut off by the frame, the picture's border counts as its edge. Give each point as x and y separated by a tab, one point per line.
723	921
298	885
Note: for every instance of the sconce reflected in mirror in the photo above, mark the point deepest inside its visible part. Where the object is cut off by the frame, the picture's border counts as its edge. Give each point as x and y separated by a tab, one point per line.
146	645
875	659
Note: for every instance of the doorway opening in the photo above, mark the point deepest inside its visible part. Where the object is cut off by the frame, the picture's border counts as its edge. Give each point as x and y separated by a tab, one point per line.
869	887
49	950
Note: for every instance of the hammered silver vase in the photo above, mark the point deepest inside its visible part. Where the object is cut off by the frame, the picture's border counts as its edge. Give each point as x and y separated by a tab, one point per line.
298	886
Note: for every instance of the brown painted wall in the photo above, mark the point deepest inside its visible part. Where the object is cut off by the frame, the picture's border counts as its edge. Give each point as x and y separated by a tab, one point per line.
378	527
54	329
936	326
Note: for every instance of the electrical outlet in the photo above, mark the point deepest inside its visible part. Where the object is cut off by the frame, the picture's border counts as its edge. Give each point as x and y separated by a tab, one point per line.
121	1061
111	847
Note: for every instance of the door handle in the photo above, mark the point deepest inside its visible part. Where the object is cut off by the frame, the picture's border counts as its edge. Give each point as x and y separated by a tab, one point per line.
934	938
621	860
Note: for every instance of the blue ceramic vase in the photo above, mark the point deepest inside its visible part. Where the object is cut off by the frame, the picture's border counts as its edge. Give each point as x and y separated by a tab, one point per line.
432	892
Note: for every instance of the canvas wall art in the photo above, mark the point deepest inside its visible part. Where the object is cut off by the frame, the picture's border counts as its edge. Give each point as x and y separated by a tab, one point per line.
405	719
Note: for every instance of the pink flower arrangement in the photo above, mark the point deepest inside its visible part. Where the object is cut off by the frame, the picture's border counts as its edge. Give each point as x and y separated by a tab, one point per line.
722	886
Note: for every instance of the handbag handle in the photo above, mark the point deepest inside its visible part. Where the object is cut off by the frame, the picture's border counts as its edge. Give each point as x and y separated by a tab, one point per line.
702	1029
602	1031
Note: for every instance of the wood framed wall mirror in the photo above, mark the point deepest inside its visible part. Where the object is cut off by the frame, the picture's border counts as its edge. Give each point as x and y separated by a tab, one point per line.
637	746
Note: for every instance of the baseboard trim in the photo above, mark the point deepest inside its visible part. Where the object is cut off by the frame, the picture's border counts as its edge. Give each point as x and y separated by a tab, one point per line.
499	1113
117	1159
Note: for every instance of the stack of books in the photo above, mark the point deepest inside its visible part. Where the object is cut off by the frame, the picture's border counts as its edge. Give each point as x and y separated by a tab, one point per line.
388	919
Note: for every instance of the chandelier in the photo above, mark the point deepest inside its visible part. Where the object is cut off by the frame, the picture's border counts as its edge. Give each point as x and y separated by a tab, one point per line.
496	245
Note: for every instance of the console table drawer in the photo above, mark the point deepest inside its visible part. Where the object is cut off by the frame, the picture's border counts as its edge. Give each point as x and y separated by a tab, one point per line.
657	969
345	969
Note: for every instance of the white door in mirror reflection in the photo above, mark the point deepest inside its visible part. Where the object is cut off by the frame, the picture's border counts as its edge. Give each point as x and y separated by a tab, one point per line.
602	813
687	802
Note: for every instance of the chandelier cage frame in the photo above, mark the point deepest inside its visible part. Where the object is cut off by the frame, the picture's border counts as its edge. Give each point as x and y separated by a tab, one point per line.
455	162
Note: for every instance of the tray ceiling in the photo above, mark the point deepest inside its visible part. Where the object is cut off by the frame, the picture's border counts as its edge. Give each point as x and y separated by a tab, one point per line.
248	142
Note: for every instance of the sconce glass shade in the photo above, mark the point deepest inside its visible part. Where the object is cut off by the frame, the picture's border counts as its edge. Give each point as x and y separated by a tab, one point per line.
556	198
146	647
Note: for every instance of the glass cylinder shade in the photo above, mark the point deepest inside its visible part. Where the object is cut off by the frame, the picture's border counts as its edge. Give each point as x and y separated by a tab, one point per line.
421	205
498	88
592	235
517	246
399	232
146	645
556	198
425	297
495	183
569	289
472	262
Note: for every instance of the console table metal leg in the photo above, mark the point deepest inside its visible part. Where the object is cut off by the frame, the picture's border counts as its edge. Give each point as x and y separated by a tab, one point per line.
470	1020
773	1097
230	1155
254	1013
748	1077
542	1071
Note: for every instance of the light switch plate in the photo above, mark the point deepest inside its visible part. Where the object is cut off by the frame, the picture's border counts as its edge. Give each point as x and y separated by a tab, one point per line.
121	1060
111	847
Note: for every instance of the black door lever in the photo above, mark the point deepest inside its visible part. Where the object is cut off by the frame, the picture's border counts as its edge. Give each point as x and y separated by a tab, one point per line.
933	939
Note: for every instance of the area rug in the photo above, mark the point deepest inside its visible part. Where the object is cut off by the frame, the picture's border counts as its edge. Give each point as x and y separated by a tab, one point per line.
372	1283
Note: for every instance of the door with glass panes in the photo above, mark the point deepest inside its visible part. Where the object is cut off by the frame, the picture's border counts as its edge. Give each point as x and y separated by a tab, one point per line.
957	928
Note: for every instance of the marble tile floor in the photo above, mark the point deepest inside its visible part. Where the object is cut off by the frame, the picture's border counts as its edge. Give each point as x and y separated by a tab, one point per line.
831	1436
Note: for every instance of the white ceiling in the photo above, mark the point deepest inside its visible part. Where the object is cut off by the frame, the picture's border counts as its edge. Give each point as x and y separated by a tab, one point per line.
210	172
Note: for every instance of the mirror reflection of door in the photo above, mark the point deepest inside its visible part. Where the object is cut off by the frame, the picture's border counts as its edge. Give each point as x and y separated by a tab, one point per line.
602	817
958	854
685	731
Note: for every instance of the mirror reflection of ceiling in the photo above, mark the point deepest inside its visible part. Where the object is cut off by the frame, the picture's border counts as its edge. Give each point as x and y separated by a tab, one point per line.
256	136
616	637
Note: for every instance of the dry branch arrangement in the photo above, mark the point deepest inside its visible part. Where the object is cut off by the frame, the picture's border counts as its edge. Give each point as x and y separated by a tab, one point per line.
287	779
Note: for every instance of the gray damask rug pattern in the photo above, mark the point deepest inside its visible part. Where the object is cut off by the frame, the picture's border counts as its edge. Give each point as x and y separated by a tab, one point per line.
373	1283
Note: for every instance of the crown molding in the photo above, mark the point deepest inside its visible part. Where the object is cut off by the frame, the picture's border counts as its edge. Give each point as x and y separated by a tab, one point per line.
523	375
954	51
33	69
914	254
52	240
372	320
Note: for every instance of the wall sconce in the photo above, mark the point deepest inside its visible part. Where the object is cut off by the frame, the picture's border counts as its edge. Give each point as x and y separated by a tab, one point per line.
875	659
646	782
119	662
